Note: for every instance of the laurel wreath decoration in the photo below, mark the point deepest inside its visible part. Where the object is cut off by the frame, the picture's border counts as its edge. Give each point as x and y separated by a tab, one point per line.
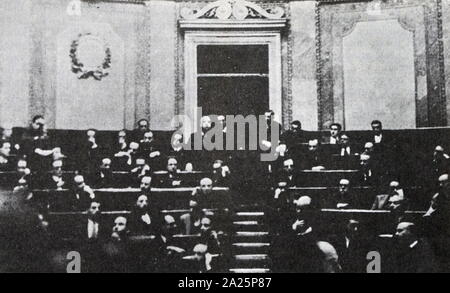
84	71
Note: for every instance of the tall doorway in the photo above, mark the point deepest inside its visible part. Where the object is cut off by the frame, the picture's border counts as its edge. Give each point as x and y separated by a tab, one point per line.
232	73
233	79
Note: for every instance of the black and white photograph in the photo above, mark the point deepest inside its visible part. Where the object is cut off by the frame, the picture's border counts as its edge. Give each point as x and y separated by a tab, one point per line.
234	137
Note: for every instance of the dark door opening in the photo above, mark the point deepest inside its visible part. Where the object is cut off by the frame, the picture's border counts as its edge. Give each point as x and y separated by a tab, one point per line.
233	79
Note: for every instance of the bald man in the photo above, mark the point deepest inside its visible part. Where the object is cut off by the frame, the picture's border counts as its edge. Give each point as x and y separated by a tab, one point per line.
203	260
343	198
413	255
202	194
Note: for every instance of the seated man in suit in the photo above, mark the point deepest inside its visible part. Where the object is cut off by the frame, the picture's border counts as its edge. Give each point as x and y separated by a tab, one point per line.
413	254
93	228
382	201
177	151
142	169
210	237
171	179
82	194
203	260
287	173
441	162
368	149
345	146
191	221
148	148
202	194
54	181
313	159
343	199
369	176
142	127
293	136
5	161
170	258
103	177
90	152
352	247
145	219
220	174
145	186
23	178
120	152
335	134
120	230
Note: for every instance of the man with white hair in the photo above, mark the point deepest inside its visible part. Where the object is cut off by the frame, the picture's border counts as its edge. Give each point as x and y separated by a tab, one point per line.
141	169
91	151
343	198
103	177
82	194
368	148
203	259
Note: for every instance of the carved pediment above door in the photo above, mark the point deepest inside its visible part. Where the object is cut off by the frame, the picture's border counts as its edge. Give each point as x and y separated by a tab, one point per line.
232	14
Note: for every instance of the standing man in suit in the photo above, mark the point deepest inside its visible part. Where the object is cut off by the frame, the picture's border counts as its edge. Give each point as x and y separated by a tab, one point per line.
377	132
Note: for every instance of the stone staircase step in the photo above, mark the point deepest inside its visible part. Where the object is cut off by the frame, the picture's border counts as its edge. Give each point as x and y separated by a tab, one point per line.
250	257
250	247
250	271
246	223
250	214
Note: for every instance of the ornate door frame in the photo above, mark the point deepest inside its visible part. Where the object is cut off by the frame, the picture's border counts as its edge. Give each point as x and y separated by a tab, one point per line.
227	22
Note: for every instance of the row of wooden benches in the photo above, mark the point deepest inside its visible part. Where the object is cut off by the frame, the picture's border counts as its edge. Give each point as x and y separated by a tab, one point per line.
302	178
178	198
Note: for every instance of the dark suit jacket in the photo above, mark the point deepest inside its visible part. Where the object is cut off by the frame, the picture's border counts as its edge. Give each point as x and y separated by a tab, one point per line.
418	259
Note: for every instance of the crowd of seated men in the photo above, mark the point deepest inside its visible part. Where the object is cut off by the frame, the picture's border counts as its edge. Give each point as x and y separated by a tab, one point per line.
418	240
294	220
